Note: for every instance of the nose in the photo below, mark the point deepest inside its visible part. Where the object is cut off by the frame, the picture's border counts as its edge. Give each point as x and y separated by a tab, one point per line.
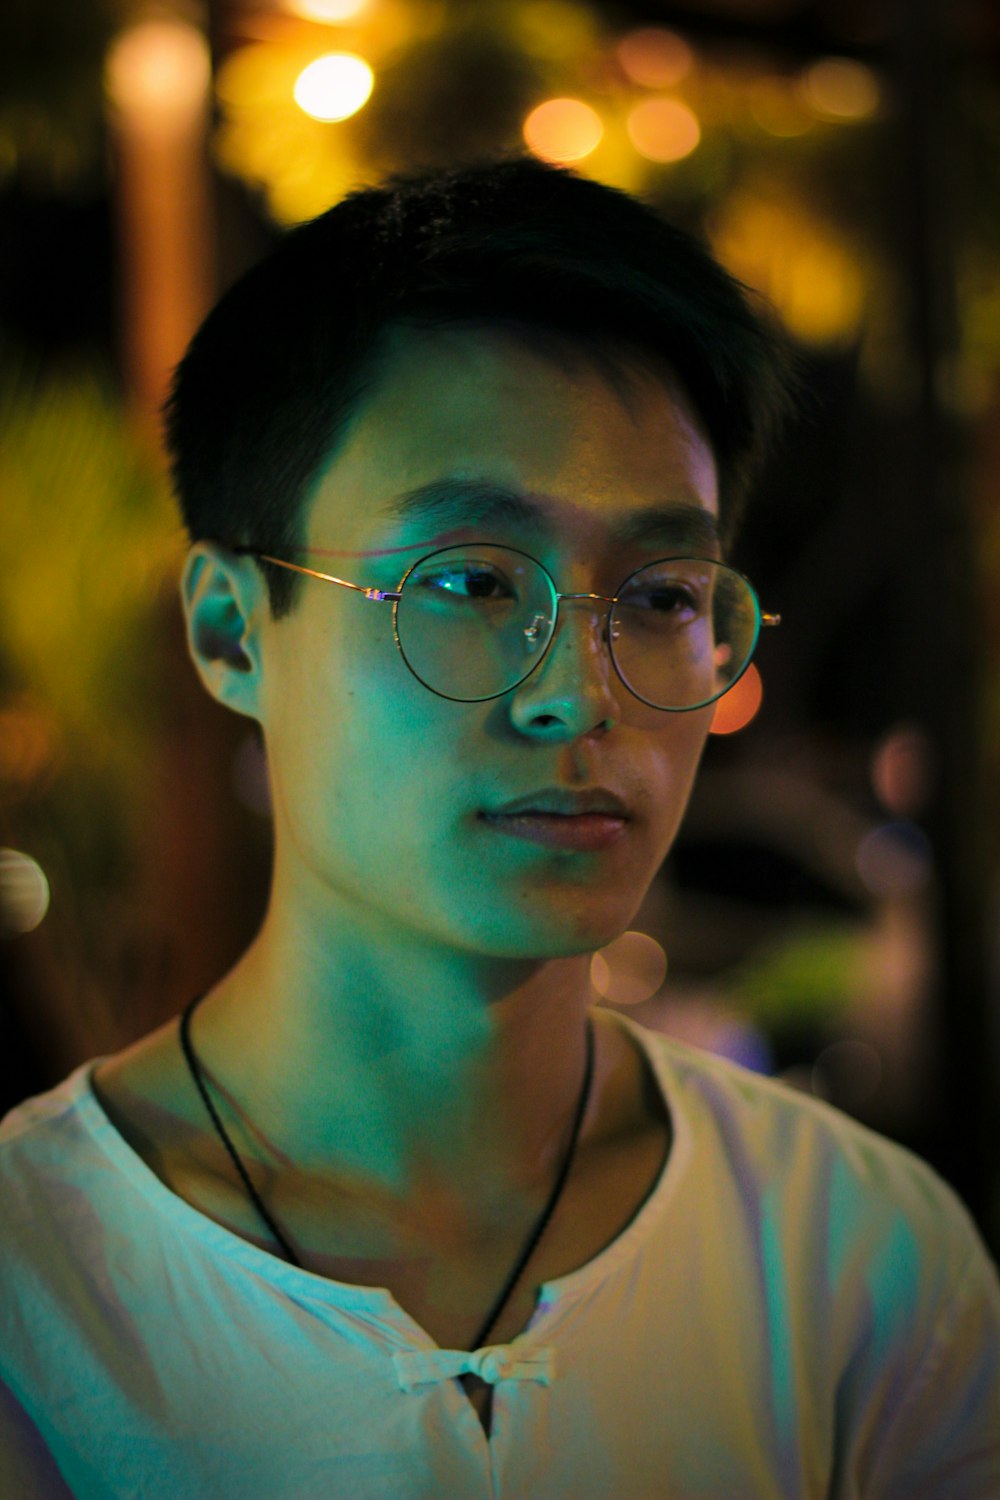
574	686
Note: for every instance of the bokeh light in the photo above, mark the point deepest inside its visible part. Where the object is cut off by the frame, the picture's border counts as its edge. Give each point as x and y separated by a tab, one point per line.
159	67
735	709
24	893
563	130
327	12
894	859
655	58
776	243
334	87
837	88
630	970
663	130
901	770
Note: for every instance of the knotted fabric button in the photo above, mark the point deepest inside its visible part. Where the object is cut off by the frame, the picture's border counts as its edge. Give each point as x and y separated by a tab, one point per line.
493	1363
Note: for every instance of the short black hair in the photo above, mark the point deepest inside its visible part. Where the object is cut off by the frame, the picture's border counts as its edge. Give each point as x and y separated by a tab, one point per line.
276	371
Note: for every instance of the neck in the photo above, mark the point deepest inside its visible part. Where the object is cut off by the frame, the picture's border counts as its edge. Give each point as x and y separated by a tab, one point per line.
403	1073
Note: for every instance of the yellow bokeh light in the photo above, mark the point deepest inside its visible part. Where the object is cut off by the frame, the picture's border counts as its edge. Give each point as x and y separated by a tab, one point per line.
811	274
563	130
655	58
663	130
327	12
334	87
266	138
838	89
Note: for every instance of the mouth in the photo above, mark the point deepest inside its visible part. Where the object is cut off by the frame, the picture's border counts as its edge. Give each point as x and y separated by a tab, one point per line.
586	821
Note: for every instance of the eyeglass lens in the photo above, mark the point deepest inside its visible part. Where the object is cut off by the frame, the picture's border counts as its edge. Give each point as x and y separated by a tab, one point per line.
474	621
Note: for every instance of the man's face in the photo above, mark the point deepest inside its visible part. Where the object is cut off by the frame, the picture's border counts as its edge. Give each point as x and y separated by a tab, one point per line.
379	785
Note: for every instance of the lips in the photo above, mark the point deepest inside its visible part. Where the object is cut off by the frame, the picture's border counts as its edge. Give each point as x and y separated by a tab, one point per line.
584	821
558	802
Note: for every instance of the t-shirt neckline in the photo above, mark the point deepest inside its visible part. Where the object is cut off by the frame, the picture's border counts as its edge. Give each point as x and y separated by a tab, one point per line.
303	1284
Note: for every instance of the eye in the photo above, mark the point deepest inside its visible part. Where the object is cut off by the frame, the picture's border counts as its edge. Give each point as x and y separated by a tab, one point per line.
674	598
473	581
670	599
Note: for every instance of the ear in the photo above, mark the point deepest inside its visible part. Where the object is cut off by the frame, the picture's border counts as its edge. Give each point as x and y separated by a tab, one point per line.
225	602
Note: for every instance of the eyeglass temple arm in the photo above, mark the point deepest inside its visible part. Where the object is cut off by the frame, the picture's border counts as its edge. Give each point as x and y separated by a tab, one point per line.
382	595
377	595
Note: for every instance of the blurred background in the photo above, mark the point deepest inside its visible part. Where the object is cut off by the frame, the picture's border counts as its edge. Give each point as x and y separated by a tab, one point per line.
830	912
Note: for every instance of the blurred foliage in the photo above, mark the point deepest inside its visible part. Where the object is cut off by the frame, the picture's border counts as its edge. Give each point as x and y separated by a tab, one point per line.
812	975
88	543
88	549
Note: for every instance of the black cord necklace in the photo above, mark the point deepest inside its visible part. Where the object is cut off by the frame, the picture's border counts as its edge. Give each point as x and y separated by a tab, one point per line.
193	1065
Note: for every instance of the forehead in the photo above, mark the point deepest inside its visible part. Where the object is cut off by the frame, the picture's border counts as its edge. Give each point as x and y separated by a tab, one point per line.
586	451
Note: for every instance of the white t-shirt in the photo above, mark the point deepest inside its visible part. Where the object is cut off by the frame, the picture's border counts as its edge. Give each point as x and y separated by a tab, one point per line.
799	1308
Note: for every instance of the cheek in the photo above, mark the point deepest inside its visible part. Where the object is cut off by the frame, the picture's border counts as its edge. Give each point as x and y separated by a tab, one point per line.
390	750
684	743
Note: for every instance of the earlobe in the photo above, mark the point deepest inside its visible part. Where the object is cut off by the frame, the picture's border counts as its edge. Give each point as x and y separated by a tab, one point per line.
221	594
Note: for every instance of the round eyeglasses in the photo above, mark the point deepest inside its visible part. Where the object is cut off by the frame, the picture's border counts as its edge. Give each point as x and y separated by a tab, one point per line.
474	621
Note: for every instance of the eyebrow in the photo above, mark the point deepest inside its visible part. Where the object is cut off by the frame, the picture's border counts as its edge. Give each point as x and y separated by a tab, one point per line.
475	502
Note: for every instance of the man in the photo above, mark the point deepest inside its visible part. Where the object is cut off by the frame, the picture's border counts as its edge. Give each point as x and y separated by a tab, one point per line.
394	1210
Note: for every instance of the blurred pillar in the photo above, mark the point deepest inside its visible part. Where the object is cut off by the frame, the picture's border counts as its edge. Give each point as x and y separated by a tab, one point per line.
195	888
158	79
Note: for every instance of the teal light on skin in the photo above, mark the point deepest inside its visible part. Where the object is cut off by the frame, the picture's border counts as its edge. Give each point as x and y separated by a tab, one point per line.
407	1031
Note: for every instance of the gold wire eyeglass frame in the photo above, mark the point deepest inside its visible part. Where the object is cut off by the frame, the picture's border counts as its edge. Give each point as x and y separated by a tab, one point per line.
393	596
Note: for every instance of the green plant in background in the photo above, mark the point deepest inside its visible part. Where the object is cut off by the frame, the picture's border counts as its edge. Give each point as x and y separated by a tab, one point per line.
87	545
88	550
810	977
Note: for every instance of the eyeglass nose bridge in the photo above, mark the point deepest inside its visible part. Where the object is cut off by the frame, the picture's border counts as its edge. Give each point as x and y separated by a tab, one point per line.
531	631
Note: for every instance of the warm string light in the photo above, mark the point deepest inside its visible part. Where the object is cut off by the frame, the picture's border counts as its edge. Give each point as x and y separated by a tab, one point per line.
663	130
158	73
326	12
286	112
563	130
334	87
655	58
838	89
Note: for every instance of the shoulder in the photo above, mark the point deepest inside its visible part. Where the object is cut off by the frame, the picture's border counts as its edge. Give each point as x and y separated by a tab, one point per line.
53	1160
34	1130
851	1196
64	1153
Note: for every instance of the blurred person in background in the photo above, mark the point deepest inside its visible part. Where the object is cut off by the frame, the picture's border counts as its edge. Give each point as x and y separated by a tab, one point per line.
393	1210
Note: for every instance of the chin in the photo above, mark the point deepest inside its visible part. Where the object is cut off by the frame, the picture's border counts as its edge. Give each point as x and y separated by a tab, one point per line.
558	934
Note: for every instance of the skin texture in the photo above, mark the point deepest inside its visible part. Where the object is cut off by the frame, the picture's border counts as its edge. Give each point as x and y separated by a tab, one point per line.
408	1028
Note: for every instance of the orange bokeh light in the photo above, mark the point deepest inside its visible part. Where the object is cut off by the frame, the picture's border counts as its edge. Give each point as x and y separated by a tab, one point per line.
837	88
663	130
736	708
563	130
654	57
